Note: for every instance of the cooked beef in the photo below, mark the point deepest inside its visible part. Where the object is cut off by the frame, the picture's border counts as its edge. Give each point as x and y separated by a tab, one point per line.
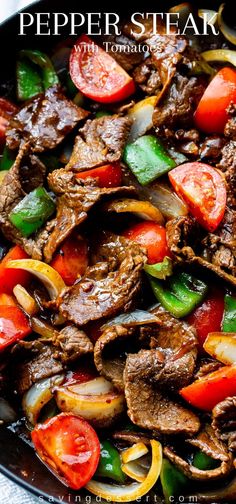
43	365
148	406
224	422
104	291
227	165
44	121
127	53
130	437
208	443
211	148
206	366
176	108
147	77
108	356
100	141
230	127
187	242
72	344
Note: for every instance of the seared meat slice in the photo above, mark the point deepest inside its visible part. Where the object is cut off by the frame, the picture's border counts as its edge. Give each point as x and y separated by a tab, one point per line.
224	422
106	288
100	141
147	77
127	54
187	242
179	102
148	406
230	127
208	443
72	344
44	121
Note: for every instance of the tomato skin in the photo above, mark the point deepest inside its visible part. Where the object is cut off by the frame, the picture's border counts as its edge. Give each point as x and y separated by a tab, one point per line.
209	390
11	277
90	66
107	176
203	188
211	115
208	316
71	260
14	325
153	237
69	446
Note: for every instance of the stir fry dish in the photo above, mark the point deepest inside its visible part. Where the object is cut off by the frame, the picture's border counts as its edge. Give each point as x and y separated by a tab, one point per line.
118	262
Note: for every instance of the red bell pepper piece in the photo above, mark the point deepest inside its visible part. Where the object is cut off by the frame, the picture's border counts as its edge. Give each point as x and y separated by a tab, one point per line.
7	109
109	175
208	316
11	277
14	325
71	260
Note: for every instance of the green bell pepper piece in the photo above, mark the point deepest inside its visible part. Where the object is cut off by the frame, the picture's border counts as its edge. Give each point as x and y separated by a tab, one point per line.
204	462
31	213
49	75
102	113
29	82
110	463
160	270
173	481
229	320
7	159
147	159
180	294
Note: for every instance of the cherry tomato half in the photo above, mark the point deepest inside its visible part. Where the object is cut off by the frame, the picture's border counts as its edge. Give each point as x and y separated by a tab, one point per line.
153	237
97	75
211	114
203	189
69	446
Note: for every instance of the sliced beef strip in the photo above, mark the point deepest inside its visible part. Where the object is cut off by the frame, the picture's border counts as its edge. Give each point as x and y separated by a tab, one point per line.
104	292
100	141
44	121
148	407
188	244
209	444
211	148
131	437
230	127
127	52
72	343
147	77
224	422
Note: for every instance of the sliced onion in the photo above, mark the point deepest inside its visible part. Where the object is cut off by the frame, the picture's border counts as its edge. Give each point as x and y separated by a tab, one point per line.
222	55
209	15
25	300
228	31
93	387
50	278
45	330
136	317
7	413
134	452
38	395
221	346
169	204
141	115
134	491
134	471
144	209
102	410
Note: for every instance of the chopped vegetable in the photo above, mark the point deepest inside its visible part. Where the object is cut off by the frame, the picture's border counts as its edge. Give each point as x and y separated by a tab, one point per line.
32	212
110	463
35	73
135	471
203	188
211	389
133	491
211	114
136	317
45	330
208	316
71	259
25	300
49	277
7	160
160	270
7	300
180	294
143	209
221	346
153	237
204	462
221	55
134	452
14	325
228	31
173	481
37	396
107	176
10	277
101	409
229	320
141	115
69	446
97	75
147	159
